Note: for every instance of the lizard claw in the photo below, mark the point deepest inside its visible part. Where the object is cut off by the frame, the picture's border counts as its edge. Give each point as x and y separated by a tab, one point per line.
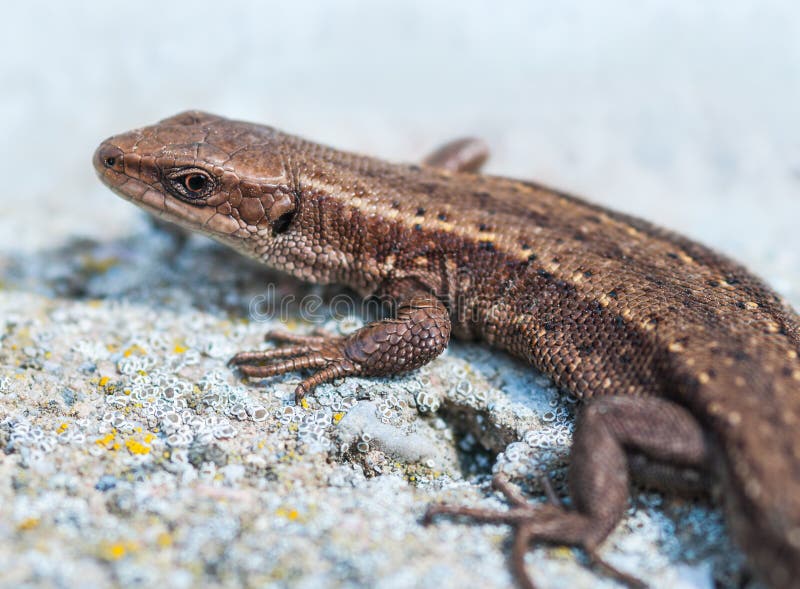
549	522
418	333
285	337
326	353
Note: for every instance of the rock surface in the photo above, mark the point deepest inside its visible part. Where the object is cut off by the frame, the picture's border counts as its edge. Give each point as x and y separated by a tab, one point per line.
132	455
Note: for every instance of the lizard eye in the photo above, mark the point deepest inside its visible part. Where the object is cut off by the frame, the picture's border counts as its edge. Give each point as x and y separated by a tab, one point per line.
191	185
195	182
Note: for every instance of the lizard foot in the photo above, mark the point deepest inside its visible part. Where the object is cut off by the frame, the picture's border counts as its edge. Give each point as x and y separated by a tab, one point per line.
416	335
325	352
550	522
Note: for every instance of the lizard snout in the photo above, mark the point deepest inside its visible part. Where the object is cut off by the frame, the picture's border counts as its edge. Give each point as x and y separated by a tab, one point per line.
107	157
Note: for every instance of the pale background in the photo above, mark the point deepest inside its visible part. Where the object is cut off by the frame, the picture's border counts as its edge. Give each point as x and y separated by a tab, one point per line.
686	114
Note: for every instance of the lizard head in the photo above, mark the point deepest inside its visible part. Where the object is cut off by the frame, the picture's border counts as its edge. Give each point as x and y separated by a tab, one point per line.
223	178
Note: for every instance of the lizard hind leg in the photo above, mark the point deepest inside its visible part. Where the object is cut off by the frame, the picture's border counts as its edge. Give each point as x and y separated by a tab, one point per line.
608	429
460	155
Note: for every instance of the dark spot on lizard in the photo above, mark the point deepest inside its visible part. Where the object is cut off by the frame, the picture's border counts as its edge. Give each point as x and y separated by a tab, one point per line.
442	217
740	356
420	212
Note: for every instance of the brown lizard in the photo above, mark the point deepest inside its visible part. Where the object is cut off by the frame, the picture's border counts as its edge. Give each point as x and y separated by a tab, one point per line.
687	364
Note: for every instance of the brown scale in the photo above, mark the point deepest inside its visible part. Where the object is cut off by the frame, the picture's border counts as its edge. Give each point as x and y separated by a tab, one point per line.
688	364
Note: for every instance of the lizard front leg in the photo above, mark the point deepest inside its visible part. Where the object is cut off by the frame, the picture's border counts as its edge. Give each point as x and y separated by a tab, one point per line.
609	429
417	333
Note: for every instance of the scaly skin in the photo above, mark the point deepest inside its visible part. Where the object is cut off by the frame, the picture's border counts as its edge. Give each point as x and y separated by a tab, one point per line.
687	363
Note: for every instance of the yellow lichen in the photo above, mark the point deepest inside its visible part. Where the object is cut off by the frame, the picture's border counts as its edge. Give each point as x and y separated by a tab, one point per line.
337	417
117	550
562	552
179	349
106	439
98	265
136	447
62	428
28	523
164	540
135	348
103	381
287	513
304	403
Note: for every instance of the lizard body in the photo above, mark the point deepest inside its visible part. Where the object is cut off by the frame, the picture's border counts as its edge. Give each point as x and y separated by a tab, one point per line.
684	359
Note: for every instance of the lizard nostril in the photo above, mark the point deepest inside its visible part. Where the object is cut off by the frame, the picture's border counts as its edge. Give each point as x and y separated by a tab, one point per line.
107	157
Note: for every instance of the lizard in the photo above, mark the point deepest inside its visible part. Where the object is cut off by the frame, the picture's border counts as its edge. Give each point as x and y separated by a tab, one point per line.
685	363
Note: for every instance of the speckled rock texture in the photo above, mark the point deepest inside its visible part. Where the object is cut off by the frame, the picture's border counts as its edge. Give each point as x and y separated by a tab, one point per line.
132	456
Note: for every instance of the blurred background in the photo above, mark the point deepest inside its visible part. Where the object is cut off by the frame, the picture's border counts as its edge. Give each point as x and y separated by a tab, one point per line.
685	113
